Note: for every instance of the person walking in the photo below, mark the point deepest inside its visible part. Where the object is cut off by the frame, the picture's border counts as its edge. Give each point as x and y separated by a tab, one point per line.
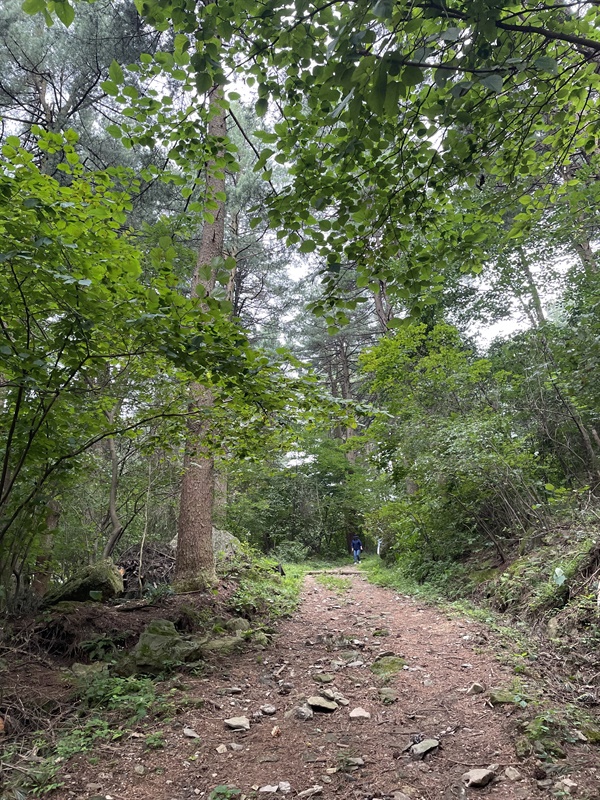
356	547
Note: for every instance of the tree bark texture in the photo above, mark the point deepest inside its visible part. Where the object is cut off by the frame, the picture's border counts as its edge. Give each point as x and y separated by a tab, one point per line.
195	561
383	307
117	528
43	568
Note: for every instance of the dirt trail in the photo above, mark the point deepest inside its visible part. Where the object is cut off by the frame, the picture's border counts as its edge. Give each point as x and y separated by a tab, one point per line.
443	658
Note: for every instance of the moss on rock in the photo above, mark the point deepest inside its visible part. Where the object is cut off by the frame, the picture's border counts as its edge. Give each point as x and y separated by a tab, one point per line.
388	666
100	581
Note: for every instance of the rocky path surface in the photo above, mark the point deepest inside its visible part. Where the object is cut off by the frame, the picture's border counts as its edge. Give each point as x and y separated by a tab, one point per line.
397	721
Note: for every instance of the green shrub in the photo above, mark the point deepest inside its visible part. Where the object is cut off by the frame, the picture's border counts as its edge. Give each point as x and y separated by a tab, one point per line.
290	552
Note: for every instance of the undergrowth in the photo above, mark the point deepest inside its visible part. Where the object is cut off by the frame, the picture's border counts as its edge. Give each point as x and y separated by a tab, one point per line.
105	706
262	590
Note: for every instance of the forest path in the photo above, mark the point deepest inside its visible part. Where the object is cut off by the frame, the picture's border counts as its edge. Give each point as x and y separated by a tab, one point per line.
339	631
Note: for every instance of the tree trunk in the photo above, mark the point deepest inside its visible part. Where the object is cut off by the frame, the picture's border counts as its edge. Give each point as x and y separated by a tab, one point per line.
220	495
537	312
113	516
383	308
195	560
42	570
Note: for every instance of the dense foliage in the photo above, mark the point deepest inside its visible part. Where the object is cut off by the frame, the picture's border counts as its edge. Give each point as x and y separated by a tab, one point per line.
428	170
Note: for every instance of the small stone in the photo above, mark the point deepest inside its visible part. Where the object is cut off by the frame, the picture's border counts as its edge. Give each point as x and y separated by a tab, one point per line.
321	704
323	677
221	748
284	787
387	695
359	713
501	697
421	749
93	787
384	654
565	785
190	733
476	688
304	712
356	663
311	792
478	777
237	723
512	774
268	710
355	762
268	789
235	747
400	796
139	769
231	690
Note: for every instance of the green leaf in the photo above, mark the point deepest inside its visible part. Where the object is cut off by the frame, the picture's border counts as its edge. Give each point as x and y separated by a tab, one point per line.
493	82
383	9
204	82
115	73
411	76
307	246
377	95
34	6
546	64
261	107
64	11
440	77
450	35
396	322
110	88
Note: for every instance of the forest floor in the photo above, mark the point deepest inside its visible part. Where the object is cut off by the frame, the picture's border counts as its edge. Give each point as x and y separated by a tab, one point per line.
343	634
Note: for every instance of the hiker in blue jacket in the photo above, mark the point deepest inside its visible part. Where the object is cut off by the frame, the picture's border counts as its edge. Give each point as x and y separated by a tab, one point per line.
356	547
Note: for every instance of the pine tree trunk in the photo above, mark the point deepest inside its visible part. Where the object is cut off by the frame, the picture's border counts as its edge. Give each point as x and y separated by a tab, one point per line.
195	561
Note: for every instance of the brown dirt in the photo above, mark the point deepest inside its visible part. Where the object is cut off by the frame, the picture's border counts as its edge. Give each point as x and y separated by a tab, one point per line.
443	657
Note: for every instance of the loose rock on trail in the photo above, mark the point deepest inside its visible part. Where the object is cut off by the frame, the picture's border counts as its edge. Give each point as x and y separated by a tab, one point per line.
421	731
